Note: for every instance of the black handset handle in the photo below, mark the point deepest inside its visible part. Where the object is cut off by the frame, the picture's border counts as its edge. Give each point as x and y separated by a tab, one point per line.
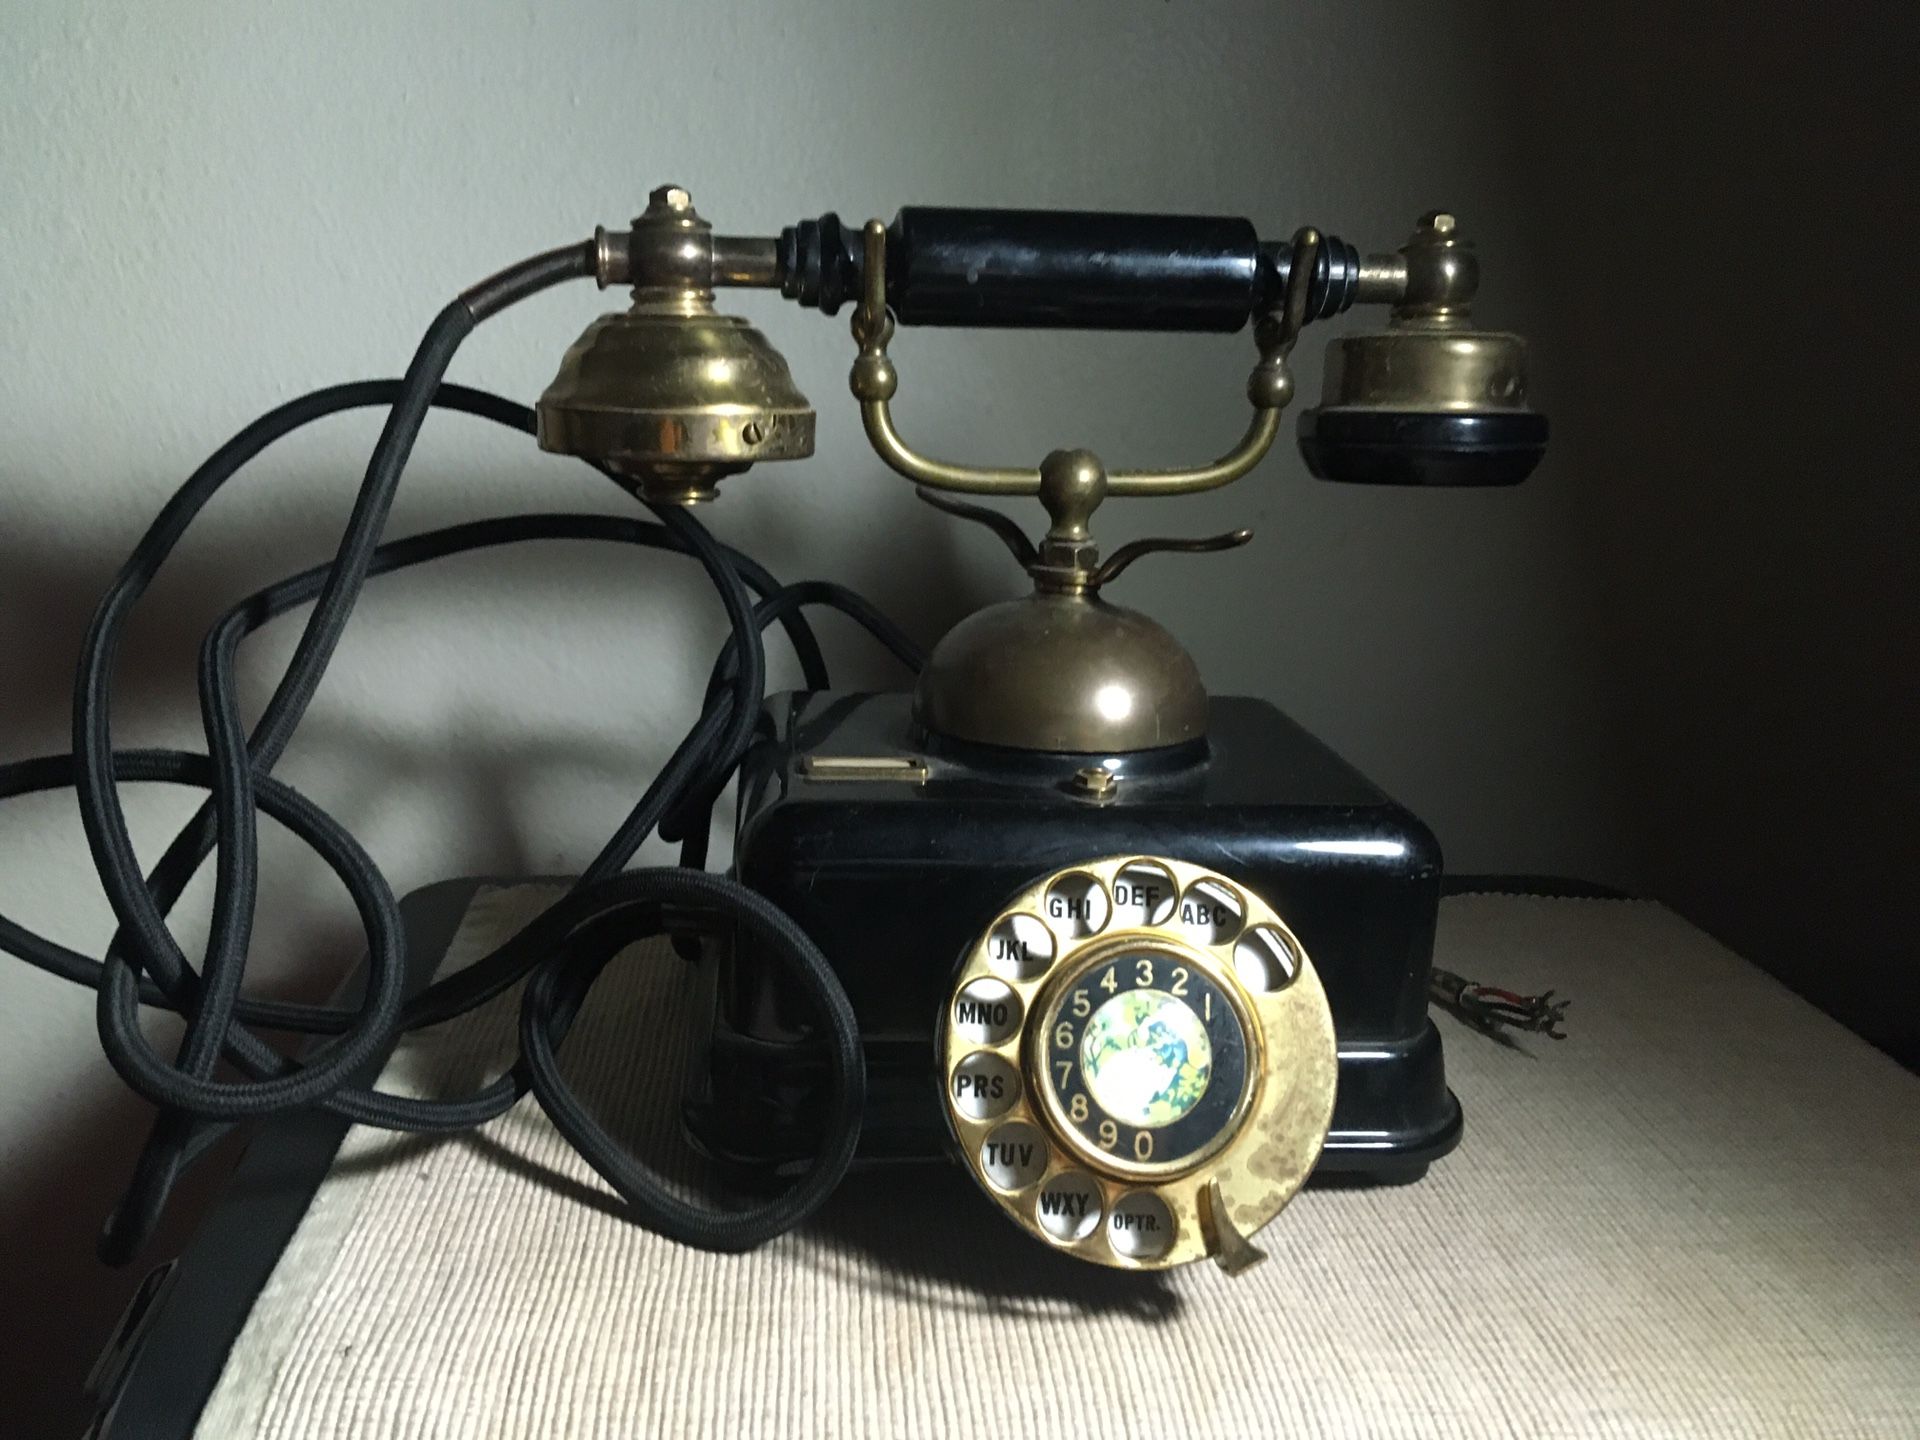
1063	269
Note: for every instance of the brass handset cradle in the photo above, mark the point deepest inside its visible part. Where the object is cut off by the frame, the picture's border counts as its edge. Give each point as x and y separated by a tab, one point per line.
874	382
1064	670
1074	484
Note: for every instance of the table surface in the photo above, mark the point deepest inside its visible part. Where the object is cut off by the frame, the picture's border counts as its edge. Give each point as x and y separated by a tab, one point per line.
1694	1217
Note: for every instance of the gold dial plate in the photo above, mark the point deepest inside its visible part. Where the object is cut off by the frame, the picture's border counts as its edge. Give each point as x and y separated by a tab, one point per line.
1061	1160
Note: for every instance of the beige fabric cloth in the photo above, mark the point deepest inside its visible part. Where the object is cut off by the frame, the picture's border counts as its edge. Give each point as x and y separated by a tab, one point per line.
1696	1217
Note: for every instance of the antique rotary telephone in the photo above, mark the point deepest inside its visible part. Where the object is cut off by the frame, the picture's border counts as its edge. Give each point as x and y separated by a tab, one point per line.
1139	958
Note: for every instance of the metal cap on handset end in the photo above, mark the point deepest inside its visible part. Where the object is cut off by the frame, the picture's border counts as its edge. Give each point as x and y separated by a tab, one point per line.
670	396
1429	400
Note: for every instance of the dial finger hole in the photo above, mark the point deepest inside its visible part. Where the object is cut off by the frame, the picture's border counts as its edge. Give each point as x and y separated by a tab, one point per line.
986	1012
1014	1156
1020	947
1141	1226
1265	961
984	1086
1069	1207
1077	907
1210	913
1143	894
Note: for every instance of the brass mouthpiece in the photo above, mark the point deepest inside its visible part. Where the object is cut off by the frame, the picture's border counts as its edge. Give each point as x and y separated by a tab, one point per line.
670	397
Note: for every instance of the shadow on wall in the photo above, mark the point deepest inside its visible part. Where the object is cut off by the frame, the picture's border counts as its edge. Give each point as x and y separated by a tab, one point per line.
479	792
51	591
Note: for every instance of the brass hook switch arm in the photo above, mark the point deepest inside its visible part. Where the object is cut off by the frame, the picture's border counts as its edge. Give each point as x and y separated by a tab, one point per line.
1132	551
1010	534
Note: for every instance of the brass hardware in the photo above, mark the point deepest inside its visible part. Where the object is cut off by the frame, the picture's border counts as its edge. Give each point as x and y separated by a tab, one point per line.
1443	273
1069	562
749	261
1095	783
863	767
1056	672
1383	280
1223	1183
612	257
1062	669
1133	550
1231	1251
1430	359
1429	400
1071	486
671	397
1427	367
1010	533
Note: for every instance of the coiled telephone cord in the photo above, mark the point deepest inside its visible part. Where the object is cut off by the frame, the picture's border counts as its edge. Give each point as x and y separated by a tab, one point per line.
560	953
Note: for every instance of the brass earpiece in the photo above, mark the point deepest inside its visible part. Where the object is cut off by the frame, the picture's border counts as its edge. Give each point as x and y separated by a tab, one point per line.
1429	400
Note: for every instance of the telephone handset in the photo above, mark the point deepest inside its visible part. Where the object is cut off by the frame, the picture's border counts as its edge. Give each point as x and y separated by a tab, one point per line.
969	921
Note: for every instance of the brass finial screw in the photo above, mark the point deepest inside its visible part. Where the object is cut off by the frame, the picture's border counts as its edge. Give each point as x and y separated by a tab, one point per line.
670	197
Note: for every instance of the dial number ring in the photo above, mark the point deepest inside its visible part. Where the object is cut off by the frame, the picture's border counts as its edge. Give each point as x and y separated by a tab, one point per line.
1176	990
1112	1196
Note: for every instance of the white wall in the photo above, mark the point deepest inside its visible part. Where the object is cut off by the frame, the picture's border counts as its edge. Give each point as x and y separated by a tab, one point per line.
208	209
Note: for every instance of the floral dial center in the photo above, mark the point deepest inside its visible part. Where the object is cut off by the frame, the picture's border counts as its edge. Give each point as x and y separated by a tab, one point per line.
1146	1058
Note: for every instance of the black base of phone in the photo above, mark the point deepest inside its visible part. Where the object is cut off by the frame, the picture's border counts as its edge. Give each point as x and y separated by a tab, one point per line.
894	880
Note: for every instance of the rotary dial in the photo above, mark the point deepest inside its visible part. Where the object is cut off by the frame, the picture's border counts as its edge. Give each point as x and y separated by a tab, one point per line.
1139	1063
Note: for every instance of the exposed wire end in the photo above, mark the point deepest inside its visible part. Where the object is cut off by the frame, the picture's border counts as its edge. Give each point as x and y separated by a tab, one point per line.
1492	1010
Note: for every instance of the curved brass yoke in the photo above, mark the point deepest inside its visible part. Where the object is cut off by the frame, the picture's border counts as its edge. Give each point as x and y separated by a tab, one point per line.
885	437
874	382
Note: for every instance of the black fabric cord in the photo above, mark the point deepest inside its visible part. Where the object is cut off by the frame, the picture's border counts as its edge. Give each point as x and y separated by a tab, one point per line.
559	987
564	949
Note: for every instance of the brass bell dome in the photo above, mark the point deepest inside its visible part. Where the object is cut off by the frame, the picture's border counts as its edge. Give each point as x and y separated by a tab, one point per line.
1065	673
